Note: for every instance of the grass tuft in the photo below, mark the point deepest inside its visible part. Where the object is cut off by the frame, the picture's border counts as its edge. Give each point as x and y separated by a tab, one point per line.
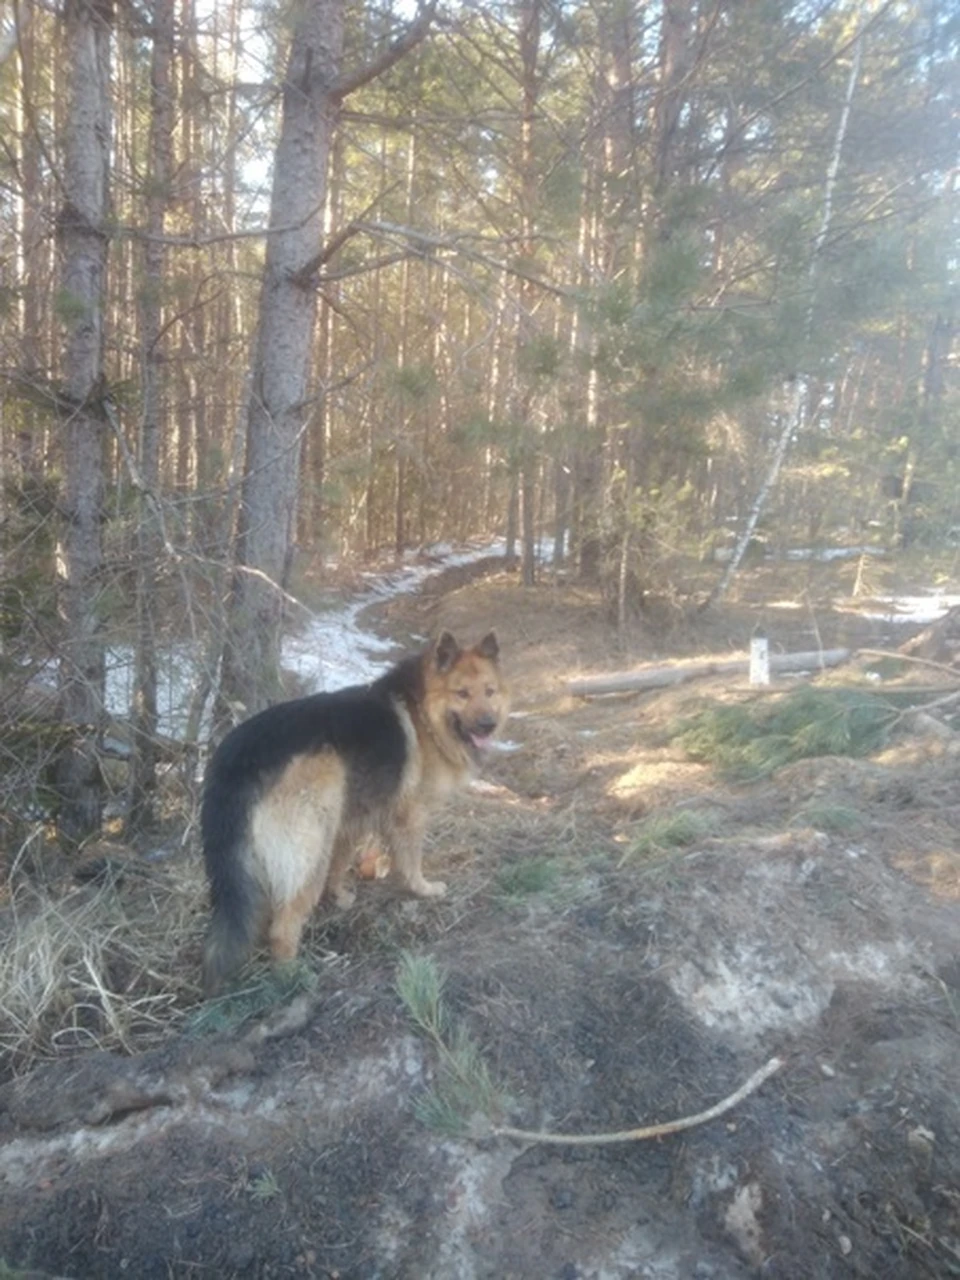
527	876
267	987
463	1086
752	742
665	831
834	819
264	1187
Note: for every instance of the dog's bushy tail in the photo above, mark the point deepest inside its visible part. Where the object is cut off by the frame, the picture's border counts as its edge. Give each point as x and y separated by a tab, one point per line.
237	897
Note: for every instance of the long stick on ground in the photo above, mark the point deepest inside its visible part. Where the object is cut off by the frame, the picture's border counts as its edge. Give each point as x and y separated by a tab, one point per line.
680	672
649	1131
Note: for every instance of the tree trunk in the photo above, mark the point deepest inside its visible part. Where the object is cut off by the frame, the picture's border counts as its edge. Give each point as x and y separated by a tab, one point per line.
28	448
529	40
143	764
799	398
528	490
280	372
561	508
407	400
84	238
313	90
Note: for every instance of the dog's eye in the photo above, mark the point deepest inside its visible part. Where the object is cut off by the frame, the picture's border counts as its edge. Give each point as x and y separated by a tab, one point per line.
463	694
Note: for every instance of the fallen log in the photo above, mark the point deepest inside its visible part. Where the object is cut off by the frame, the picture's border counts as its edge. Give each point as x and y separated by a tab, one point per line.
662	677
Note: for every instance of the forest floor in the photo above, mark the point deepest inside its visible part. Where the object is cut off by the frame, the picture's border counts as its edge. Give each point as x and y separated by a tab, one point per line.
604	966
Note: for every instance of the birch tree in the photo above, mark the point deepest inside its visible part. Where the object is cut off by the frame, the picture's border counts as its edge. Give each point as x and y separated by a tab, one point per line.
798	405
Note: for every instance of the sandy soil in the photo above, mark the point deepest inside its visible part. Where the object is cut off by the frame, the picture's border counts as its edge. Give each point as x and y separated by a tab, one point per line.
606	982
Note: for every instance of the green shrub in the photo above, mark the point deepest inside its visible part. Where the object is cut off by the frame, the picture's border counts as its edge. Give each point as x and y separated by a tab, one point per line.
752	741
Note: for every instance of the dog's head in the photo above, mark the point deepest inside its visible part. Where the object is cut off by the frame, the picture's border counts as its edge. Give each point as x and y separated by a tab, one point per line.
467	698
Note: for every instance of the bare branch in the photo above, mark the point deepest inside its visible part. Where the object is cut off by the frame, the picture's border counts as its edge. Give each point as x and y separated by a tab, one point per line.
425	242
363	268
411	37
340	238
650	1131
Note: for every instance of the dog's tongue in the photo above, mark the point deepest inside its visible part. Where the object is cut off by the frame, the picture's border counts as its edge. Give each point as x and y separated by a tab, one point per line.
481	741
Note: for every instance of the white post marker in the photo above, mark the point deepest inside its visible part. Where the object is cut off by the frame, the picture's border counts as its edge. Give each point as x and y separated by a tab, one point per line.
759	660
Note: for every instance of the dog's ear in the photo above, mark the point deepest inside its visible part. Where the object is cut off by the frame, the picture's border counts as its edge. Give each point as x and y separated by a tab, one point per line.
489	647
445	651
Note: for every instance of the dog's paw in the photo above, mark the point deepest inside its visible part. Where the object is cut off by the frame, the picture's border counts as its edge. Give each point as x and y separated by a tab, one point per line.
431	889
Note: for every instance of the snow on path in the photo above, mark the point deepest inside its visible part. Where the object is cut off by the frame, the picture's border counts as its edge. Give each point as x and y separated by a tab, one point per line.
919	611
330	650
333	649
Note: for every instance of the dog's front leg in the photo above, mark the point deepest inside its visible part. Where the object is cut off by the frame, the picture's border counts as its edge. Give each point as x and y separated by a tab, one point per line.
405	843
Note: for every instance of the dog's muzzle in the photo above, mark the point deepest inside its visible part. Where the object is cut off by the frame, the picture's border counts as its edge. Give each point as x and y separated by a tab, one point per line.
478	733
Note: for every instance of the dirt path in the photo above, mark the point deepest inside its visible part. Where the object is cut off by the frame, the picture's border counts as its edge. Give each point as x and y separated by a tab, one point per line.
604	982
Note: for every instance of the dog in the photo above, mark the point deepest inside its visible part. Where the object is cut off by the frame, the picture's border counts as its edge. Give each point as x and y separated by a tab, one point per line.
290	793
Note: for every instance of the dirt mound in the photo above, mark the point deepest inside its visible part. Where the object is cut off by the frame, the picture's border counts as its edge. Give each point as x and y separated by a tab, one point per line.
606	980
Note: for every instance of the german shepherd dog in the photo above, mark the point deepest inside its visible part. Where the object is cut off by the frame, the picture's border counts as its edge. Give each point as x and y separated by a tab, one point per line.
291	792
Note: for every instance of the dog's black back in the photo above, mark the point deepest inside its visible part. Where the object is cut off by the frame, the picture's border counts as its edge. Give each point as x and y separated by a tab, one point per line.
359	723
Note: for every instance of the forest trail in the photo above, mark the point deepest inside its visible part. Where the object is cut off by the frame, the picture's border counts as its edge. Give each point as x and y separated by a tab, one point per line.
607	967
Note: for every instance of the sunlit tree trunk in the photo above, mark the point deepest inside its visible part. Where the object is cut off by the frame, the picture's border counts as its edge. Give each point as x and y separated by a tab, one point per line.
149	539
374	432
279	376
83	234
529	39
317	441
313	89
587	451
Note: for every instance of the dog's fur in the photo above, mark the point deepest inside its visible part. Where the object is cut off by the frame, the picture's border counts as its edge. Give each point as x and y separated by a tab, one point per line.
291	792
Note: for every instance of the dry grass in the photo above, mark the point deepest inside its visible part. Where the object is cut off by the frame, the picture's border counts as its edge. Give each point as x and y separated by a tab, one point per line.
594	786
108	966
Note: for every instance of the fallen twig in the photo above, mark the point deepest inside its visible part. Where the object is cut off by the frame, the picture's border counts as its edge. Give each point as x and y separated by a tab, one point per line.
649	1131
908	657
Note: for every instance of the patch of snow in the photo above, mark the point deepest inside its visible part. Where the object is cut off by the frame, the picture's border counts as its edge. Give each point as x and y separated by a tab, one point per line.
177	668
334	650
916	610
826	554
331	650
641	1255
329	1099
743	996
709	1178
